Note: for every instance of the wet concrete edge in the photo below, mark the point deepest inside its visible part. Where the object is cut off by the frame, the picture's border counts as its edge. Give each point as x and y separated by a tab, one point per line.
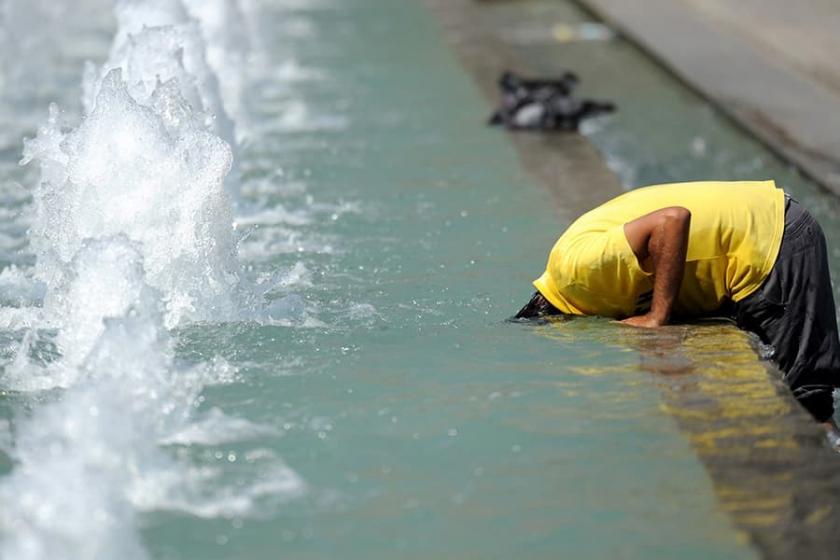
566	164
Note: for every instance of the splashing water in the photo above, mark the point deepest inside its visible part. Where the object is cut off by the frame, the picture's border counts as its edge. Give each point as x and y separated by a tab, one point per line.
228	37
149	171
156	42
88	463
132	229
30	72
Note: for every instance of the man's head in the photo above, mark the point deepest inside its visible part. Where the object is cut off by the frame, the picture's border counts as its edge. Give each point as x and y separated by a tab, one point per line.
537	307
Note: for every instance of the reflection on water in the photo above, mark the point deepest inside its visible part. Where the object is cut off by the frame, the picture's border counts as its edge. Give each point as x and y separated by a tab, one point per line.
770	465
773	471
384	221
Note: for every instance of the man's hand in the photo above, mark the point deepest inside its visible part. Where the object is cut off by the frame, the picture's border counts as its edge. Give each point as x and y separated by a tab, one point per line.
660	242
644	321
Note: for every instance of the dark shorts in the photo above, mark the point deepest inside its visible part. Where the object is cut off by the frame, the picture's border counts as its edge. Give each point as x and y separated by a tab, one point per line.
793	311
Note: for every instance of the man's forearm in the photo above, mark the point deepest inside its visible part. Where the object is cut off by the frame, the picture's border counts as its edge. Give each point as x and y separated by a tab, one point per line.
668	245
661	240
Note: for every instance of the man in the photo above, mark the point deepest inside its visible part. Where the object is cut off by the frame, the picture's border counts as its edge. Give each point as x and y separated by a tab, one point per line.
743	249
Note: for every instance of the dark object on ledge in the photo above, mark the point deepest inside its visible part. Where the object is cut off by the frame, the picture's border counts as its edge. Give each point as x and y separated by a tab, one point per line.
543	104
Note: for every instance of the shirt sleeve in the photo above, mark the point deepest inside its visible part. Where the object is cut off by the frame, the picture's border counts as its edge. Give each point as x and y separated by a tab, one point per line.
605	277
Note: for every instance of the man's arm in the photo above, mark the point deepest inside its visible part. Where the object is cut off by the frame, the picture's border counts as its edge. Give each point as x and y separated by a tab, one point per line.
660	241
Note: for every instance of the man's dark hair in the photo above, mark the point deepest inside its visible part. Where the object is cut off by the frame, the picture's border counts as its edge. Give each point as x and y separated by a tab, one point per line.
537	307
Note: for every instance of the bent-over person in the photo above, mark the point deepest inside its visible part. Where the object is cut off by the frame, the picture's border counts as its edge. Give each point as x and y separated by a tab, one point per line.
741	249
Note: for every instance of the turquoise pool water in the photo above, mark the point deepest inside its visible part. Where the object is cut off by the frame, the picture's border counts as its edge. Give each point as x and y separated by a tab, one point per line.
376	402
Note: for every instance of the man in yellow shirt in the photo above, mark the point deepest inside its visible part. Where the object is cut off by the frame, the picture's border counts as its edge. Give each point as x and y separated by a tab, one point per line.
743	249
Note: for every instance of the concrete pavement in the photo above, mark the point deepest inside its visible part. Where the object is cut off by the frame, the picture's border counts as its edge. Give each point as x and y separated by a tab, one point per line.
771	65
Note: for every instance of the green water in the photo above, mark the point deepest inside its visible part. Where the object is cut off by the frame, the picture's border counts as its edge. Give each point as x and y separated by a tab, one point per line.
424	424
769	468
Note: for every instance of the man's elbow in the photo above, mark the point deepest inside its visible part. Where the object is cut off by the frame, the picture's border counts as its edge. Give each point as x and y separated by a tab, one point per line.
675	218
677	214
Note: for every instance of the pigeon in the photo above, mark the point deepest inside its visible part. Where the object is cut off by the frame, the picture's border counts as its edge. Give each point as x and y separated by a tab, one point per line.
544	104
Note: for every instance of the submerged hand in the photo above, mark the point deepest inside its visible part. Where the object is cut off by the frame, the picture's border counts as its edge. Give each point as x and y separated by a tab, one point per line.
646	321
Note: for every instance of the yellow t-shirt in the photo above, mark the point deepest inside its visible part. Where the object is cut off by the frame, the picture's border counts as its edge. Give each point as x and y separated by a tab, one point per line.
734	239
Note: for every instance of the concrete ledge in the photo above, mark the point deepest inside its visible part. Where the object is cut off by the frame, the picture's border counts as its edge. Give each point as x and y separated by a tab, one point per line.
568	165
793	113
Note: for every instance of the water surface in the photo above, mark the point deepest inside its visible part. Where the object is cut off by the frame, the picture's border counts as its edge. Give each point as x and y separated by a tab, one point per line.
397	235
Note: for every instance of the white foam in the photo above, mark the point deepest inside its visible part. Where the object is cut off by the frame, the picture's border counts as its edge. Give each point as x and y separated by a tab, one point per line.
363	312
88	462
295	116
76	458
17	318
105	280
266	243
298	276
19	289
215	428
198	492
158	42
133	232
153	174
35	65
274	216
228	38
